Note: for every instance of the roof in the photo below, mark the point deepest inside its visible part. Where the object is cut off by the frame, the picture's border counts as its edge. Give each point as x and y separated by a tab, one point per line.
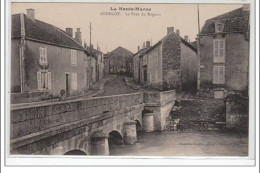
93	52
42	32
164	38
234	21
120	51
141	52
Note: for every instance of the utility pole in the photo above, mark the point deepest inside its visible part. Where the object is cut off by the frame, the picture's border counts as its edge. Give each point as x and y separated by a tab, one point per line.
90	38
198	51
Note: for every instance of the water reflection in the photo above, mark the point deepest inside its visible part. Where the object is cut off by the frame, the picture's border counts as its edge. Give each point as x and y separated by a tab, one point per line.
196	143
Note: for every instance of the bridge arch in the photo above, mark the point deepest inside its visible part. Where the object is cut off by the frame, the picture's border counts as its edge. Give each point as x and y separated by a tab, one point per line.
75	152
115	138
138	125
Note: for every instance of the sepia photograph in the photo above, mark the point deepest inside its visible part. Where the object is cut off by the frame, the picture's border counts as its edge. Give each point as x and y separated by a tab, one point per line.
132	80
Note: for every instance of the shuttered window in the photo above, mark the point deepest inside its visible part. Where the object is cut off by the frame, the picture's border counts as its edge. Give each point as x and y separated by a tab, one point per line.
43	56
73	57
219	50
74	81
44	80
219	75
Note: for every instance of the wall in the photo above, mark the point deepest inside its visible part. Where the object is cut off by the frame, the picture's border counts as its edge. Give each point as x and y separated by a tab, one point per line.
93	69
237	112
117	64
154	67
59	63
236	62
136	68
58	127
171	62
188	68
206	60
40	128
160	103
15	66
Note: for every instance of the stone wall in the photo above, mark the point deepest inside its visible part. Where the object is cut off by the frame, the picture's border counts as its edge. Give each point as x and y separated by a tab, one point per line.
237	112
188	68
171	60
35	128
160	103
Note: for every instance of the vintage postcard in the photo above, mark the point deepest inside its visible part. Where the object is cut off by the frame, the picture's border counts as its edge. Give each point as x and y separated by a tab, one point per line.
128	81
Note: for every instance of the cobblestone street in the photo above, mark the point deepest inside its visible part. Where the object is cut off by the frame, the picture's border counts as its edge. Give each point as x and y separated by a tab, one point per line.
116	85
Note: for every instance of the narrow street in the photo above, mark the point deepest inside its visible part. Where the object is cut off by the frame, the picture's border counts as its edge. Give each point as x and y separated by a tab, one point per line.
116	85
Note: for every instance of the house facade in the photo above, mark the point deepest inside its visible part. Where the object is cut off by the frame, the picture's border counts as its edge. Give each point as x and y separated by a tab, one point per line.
119	61
136	71
224	52
169	64
46	59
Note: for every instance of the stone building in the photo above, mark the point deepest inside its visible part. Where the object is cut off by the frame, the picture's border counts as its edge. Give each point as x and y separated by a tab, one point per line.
119	61
46	59
170	64
97	64
136	62
224	45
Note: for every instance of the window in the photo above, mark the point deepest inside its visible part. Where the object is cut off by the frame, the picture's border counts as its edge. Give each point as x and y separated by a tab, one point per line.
44	80
219	75
73	57
43	56
219	27
219	50
74	81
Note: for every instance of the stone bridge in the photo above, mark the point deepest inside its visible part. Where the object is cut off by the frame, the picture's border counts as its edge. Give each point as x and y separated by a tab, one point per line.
87	126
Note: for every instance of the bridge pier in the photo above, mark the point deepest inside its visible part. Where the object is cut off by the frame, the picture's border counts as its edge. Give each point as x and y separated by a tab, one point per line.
148	122
99	144
130	136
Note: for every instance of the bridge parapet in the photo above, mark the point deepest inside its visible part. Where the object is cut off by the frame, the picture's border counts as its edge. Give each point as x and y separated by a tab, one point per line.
160	103
59	127
33	125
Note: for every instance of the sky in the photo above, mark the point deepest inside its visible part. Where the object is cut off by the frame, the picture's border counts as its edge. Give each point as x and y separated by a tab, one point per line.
128	31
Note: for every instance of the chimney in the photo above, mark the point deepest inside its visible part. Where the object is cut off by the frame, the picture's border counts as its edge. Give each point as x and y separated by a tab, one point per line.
147	44
31	14
143	45
69	32
246	7
138	48
170	30
186	38
178	32
78	36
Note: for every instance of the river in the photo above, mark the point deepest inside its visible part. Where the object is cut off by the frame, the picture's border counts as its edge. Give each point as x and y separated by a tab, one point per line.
185	143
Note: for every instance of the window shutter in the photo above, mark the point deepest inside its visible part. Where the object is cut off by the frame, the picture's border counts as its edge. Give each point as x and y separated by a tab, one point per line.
215	75
216	47
49	80
221	48
39	80
222	75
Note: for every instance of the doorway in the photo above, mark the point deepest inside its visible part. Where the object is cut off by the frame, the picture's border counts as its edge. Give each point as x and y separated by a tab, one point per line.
67	84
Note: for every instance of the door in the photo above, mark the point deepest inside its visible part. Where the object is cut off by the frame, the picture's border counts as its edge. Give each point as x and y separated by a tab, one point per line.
67	84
